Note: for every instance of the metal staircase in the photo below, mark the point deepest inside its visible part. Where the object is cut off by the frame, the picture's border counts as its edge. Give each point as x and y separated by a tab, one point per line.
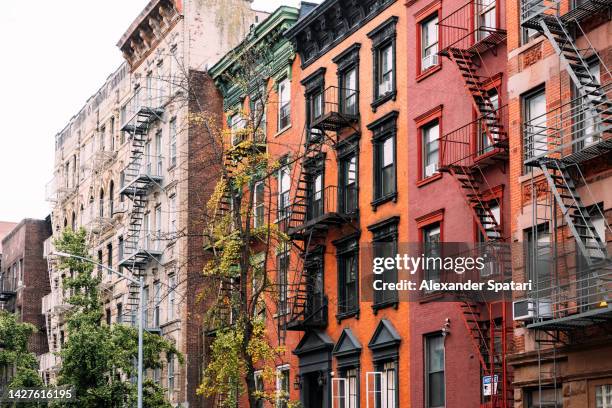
140	179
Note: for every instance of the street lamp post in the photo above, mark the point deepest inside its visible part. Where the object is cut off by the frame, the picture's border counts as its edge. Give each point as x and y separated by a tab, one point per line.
141	300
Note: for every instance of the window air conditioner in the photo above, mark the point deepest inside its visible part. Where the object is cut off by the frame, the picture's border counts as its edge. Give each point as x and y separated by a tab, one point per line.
530	309
431	169
429	61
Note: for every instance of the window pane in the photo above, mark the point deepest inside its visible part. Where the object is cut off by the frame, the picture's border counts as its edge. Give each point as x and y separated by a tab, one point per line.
387	152
431	135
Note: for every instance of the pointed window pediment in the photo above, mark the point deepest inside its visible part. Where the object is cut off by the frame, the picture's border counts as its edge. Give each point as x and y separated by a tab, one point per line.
385	341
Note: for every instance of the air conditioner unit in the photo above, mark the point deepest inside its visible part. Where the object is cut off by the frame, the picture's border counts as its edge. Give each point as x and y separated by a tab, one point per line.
431	169
530	309
429	61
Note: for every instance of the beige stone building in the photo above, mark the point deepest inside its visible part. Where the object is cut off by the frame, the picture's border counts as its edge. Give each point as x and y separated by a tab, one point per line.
131	171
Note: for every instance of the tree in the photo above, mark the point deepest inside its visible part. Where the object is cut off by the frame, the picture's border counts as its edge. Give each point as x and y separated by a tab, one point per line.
14	354
241	239
98	360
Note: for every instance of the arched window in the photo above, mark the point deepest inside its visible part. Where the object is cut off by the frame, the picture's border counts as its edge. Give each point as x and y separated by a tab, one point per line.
101	202
111	197
65	222
73	224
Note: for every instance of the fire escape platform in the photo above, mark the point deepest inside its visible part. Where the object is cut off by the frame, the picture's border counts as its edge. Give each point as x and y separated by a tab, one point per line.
585	10
496	37
141	119
599	149
334	121
140	185
140	258
321	223
575	321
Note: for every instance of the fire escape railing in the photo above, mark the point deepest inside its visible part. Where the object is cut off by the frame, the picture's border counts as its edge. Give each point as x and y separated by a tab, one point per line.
475	26
465	146
336	109
574	132
329	202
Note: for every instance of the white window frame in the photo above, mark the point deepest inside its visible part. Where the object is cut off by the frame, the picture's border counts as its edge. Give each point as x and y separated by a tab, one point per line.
429	46
383	392
259	206
603	392
284	101
171	297
284	211
430	169
280	399
173	150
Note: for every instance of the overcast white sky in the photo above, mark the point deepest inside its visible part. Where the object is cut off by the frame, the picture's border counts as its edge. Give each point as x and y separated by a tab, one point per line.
55	55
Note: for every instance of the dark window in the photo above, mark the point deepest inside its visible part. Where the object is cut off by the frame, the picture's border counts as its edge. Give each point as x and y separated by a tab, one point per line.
538	253
430	134
316	194
349	91
385	246
348	180
431	249
101	209
348	275
284	104
384	138
108	316
119	313
109	257
434	371
282	266
534	120
383	49
100	258
429	42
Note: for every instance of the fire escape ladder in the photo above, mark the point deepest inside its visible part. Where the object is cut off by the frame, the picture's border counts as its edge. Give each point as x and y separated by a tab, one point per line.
574	59
481	209
481	100
574	211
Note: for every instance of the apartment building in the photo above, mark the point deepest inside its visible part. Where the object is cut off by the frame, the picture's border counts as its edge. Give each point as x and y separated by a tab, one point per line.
24	280
457	187
559	104
130	169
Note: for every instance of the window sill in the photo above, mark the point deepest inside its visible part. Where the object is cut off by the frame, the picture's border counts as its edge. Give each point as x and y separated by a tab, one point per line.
430	179
281	131
380	201
382	99
383	305
347	315
428	72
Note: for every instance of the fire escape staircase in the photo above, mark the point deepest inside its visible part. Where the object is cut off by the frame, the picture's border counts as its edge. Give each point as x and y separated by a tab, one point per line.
137	254
459	158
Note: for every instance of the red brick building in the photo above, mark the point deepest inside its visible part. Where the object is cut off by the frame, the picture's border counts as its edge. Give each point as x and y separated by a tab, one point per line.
23	277
559	103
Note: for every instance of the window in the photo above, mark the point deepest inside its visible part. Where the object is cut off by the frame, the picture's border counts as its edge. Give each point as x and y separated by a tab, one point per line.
486	18
284	188
112	134
119	313
385	156
145	314
535	138
111	199
538	252
348	182
108	316
158	153
383	50
546	398
120	248
586	124
101	204
434	371
603	396
382	386
429	43
282	267
384	139
315	206
282	386
170	374
484	143
344	389
431	248
172	215
384	77
102	140
236	126
156	304
316	105
349	102
158	222
109	258
173	142
384	242
258	205
122	118
348	275
171	296
100	260
259	387
284	104
431	147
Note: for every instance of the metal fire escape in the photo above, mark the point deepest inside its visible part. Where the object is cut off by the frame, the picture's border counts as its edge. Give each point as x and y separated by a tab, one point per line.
315	208
569	298
467	35
142	176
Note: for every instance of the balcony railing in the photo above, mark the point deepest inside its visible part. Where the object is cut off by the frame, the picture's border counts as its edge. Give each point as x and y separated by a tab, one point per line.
150	243
475	26
328	206
55	301
576	131
534	10
569	297
336	109
307	311
8	286
476	143
57	191
145	106
49	362
143	171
